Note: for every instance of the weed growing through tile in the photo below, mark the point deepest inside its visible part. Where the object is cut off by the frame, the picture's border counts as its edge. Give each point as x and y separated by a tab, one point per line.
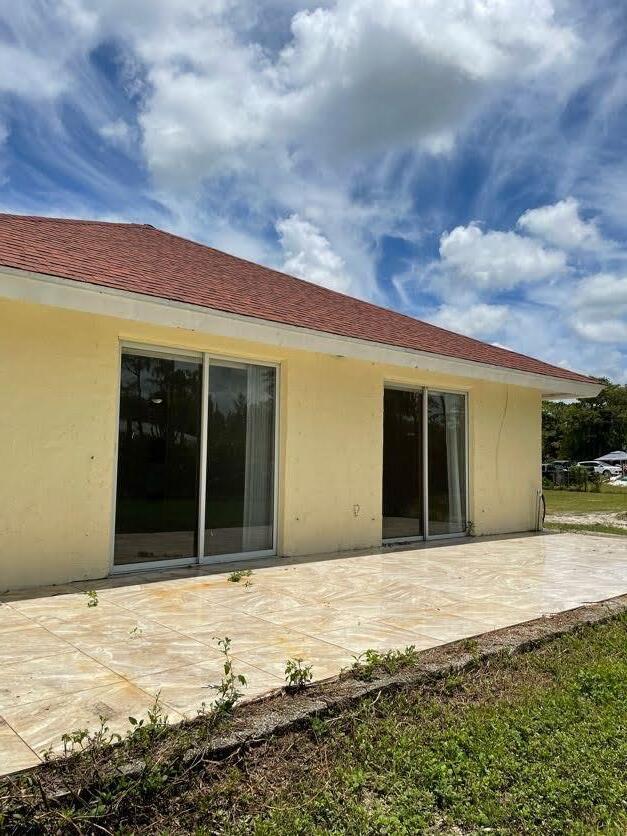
228	690
235	577
367	663
297	674
92	598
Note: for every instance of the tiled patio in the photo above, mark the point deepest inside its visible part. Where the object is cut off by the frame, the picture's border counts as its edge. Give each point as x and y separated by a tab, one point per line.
63	664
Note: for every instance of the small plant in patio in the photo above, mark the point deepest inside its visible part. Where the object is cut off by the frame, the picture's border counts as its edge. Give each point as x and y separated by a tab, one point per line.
228	690
470	528
92	598
136	632
81	739
297	674
236	577
146	730
391	661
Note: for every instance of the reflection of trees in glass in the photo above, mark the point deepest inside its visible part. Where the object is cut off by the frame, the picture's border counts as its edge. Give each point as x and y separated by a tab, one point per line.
159	427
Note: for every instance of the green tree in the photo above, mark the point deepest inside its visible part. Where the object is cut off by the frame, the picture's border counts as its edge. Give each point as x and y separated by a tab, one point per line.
586	428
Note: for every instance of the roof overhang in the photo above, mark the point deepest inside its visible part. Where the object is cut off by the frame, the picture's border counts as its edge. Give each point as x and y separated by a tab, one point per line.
39	288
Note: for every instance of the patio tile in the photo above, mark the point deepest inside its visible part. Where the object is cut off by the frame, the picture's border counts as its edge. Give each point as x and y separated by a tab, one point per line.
494	615
151	654
61	607
326	659
14	753
91	630
316	618
188	687
371	635
10	617
246	632
43	722
22	641
174	609
253	599
439	625
50	677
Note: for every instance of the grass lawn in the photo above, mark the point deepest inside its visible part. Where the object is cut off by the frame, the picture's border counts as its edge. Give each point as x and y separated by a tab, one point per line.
608	500
534	743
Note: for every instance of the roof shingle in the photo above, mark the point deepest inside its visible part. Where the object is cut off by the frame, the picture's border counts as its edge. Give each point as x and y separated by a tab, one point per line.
146	260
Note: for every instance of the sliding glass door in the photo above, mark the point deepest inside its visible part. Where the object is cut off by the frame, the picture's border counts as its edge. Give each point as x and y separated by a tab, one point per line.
402	464
424	464
196	459
158	459
240	459
446	457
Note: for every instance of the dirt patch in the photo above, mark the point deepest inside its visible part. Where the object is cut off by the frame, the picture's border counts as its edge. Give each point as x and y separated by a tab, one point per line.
615	520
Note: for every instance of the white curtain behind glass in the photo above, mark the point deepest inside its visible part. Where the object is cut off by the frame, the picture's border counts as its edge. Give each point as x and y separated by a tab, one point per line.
454	422
258	478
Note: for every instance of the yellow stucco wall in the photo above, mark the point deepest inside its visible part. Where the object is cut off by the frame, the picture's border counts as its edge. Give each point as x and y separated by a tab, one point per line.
59	388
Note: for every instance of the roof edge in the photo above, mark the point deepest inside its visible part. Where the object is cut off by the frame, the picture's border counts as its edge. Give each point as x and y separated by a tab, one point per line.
71	294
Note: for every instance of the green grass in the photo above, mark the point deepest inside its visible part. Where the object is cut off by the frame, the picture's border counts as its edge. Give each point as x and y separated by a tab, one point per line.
608	500
530	744
535	744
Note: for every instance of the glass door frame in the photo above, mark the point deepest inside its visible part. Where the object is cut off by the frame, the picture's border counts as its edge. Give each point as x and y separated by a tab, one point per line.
205	359
426	391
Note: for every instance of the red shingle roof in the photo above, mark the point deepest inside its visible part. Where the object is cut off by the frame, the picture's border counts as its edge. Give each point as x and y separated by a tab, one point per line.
142	259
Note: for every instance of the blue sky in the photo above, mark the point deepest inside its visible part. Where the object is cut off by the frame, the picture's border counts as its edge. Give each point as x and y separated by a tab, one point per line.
461	161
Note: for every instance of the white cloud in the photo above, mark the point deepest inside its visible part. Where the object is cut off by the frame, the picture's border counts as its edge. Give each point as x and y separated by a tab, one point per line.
499	260
560	224
118	133
480	320
600	309
603	294
308	254
355	77
601	331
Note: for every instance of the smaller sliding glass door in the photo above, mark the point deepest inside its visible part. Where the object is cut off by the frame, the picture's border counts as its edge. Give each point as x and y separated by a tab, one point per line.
239	506
446	463
424	464
196	459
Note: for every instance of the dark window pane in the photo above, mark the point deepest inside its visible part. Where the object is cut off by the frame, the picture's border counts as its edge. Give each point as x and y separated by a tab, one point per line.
158	459
240	459
402	464
447	463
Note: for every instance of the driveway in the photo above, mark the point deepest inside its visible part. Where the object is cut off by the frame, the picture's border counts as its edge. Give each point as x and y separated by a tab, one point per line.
63	664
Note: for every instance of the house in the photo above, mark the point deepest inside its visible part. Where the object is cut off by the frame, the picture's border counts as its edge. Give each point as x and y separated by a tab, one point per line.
164	403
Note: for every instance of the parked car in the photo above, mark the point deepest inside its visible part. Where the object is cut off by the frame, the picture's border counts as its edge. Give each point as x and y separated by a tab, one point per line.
555	466
618	481
601	468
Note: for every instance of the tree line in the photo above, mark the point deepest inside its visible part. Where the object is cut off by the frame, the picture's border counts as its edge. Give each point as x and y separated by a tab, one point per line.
587	428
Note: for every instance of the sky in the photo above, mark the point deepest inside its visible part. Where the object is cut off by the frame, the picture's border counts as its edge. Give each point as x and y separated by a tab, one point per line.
462	161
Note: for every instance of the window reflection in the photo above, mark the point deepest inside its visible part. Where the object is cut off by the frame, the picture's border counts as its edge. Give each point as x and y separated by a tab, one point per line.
158	459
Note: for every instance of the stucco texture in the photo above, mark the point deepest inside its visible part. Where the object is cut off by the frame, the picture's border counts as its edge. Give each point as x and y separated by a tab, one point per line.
59	375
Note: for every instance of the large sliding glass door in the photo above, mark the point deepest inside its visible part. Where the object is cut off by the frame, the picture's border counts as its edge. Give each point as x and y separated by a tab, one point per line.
158	459
196	459
424	464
